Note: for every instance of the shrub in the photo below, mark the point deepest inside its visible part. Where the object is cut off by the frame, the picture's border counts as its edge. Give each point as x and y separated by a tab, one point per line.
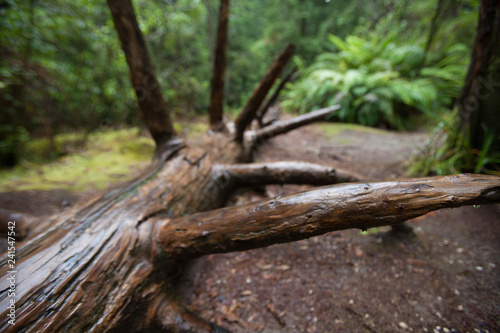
375	80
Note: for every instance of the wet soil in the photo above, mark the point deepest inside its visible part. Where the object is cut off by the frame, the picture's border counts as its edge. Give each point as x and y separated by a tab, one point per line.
442	276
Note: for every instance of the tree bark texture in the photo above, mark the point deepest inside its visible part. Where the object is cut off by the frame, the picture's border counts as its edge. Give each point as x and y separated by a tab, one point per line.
291	124
112	264
219	69
478	86
254	139
147	89
249	111
256	174
321	210
263	110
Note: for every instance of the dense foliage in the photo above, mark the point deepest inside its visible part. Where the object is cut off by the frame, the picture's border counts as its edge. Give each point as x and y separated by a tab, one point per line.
62	68
377	80
383	76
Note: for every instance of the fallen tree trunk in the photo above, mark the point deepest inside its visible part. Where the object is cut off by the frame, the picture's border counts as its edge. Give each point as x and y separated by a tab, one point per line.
321	210
112	263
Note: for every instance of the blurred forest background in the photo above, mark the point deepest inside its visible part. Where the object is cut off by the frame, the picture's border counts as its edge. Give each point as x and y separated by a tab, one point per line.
391	64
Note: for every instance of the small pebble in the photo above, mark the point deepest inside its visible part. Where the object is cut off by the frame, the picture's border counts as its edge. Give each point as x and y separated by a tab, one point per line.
479	268
403	325
460	308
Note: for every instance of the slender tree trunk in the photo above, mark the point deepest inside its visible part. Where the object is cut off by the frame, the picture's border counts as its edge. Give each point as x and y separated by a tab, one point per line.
147	88
479	86
219	69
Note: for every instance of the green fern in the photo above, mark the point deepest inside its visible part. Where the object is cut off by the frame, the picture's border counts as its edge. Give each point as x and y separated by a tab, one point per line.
372	77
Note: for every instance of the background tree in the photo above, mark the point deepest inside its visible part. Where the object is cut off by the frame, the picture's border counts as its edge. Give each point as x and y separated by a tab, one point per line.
218	74
478	99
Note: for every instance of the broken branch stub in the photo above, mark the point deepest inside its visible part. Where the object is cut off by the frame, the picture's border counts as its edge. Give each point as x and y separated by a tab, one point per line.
249	111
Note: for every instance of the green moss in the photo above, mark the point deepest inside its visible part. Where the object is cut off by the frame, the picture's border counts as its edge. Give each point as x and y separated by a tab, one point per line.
334	129
192	127
106	158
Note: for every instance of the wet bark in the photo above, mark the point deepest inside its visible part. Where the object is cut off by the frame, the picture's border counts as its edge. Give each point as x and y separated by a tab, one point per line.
254	139
274	97
291	124
97	267
219	70
147	89
318	211
249	111
479	83
112	263
255	174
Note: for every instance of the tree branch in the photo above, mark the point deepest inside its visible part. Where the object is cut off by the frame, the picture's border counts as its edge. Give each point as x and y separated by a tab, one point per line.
219	70
254	174
291	124
321	210
147	88
250	110
263	110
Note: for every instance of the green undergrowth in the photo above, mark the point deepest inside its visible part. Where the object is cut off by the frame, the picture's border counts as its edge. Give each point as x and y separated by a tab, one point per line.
105	158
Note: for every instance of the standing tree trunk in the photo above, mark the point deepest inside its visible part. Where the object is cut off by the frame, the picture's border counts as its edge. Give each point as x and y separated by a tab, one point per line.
219	70
112	263
480	85
147	88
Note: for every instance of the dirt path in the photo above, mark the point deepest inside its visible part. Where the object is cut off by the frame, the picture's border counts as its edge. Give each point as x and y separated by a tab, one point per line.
442	278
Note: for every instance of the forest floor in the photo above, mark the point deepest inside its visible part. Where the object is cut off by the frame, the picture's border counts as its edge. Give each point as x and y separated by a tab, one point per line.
442	277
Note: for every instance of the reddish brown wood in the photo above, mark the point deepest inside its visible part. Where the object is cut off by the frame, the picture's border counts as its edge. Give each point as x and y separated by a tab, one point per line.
96	269
263	110
476	87
291	124
219	70
151	103
250	110
255	174
315	212
111	263
254	139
